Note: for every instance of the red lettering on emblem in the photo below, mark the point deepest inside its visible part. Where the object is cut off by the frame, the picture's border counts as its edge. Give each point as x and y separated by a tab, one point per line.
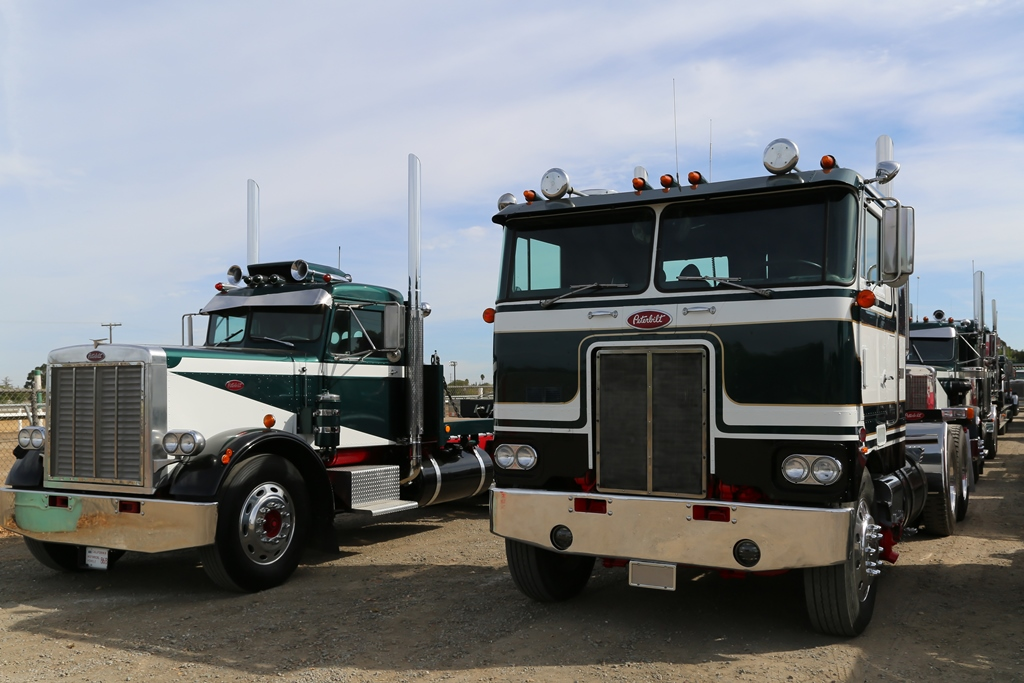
649	320
95	356
914	416
234	385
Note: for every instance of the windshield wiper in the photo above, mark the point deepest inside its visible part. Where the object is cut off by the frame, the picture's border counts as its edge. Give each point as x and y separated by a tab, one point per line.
733	281
271	339
230	336
579	289
913	347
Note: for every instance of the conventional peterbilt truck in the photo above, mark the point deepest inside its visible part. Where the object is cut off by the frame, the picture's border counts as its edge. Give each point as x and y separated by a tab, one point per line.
308	399
708	374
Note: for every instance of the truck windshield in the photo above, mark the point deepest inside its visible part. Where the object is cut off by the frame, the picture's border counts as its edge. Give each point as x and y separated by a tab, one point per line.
607	252
927	351
796	238
266	328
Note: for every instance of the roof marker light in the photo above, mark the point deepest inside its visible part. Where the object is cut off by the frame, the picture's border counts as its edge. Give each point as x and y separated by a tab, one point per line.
667	182
828	162
695	178
640	180
531	196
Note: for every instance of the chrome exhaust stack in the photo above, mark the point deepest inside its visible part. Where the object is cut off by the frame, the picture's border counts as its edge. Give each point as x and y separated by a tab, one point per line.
415	331
253	223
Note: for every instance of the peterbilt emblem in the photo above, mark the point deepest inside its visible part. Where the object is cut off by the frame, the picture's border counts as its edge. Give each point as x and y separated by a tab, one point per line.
95	356
234	385
649	320
914	416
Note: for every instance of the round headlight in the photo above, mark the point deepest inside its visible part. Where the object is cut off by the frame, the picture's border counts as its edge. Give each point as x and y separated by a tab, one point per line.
504	456
170	442
526	457
187	443
795	469
24	438
826	470
36	438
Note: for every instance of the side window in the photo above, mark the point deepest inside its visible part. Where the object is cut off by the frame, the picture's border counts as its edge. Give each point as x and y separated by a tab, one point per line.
537	265
869	257
356	331
225	329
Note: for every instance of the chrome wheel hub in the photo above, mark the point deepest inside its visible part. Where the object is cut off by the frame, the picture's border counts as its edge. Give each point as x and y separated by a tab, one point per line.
265	524
866	535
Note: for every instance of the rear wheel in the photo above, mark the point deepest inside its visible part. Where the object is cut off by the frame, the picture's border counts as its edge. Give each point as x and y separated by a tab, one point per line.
940	507
841	598
991	444
63	557
958	450
544	575
262	518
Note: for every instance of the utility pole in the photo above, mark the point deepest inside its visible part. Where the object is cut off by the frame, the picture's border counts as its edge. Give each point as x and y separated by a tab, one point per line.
110	329
453	363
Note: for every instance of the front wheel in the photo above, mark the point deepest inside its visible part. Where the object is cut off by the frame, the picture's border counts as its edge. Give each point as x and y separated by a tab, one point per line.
841	598
544	575
940	508
262	518
958	450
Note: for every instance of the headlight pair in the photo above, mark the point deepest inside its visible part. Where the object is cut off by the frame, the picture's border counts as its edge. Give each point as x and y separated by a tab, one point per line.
509	456
183	442
32	437
812	469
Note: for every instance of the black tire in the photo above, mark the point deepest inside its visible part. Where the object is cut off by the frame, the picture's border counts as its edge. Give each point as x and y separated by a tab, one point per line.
841	598
544	575
991	445
262	520
64	557
940	507
958	449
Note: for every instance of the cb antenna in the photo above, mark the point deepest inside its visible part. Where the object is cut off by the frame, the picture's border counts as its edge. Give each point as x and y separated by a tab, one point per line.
675	127
711	136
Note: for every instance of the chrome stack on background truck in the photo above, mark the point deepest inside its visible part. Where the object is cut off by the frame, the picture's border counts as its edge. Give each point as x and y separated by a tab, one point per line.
708	374
308	399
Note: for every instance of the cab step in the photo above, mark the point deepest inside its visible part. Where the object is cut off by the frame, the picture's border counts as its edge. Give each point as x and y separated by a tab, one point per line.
369	488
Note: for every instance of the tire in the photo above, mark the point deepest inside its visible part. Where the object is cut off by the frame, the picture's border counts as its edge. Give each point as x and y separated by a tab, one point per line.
991	445
262	520
63	557
544	575
940	507
958	449
841	598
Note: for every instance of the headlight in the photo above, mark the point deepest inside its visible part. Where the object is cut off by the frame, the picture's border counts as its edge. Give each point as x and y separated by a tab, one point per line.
526	457
510	456
170	443
826	470
183	442
795	469
32	437
822	470
504	456
187	443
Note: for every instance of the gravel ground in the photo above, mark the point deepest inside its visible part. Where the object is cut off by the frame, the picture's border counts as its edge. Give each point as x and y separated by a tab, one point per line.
428	597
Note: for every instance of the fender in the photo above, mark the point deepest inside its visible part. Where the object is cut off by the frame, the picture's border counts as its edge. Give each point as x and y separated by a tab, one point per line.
926	445
27	470
202	477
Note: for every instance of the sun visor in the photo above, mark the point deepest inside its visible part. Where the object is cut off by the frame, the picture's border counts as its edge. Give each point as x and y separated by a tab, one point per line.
245	298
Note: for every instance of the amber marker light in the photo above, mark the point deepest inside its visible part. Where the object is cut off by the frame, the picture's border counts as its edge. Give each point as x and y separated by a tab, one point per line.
638	184
694	178
226	458
488	315
970	413
447	429
828	162
666	181
530	195
865	298
269	421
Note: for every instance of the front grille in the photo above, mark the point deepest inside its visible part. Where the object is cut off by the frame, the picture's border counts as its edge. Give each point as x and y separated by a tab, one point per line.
917	392
97	423
652	421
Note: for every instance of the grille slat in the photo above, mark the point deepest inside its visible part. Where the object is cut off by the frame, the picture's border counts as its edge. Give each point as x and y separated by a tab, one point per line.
652	421
98	417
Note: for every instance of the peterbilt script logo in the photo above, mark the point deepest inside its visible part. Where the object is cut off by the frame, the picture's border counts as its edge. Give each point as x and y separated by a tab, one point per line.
914	416
234	385
649	320
95	356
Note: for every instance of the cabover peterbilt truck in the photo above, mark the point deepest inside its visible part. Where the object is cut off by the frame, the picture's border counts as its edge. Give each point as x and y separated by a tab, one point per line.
308	399
706	374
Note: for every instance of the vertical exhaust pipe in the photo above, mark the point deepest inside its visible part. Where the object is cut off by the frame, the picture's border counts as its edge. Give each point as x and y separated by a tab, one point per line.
979	297
884	152
253	223
415	331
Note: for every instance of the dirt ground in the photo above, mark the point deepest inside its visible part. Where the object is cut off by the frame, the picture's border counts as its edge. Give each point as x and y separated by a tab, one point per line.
428	597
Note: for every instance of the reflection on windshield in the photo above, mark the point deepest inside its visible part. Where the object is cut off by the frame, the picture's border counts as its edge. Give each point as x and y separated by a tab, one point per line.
931	350
546	257
800	238
265	327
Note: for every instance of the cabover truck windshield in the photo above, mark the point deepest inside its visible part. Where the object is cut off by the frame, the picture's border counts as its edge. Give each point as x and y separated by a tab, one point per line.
708	374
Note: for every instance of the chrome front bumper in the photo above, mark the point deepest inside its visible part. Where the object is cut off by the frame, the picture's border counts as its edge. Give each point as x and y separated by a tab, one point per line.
95	520
667	530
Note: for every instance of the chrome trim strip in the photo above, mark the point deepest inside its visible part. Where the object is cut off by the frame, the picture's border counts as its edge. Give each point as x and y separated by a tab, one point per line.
437	484
95	521
483	473
663	529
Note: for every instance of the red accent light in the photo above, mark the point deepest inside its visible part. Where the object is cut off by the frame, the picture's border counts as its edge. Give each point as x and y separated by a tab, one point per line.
530	195
489	315
612	562
219	286
666	181
950	319
694	177
638	184
828	162
226	458
58	501
586	483
327	277
132	507
711	513
349	457
862	435
598	506
926	318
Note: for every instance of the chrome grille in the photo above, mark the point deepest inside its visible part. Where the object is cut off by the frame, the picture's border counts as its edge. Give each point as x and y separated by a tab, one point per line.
97	418
917	391
652	421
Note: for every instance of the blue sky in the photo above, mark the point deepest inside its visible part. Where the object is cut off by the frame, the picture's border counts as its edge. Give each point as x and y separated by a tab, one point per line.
128	130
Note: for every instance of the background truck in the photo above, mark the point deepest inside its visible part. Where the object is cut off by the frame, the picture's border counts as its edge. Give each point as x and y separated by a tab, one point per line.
308	399
707	374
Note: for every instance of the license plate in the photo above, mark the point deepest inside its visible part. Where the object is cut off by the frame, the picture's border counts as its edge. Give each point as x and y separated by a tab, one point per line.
658	575
97	558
